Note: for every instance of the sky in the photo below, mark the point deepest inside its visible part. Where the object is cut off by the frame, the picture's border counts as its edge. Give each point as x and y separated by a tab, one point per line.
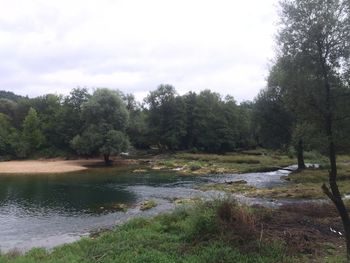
135	45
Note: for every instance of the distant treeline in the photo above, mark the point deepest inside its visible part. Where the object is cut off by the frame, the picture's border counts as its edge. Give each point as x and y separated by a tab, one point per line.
107	122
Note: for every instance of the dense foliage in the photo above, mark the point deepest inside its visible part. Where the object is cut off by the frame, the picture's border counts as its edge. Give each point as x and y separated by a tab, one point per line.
107	122
104	122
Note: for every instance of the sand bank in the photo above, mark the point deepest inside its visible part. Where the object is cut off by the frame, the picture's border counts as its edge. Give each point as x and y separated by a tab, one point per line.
45	166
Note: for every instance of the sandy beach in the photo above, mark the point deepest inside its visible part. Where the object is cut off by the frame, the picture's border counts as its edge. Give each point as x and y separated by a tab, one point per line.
45	166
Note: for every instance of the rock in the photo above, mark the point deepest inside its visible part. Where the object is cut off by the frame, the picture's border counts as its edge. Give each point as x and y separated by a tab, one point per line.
185	201
237	182
286	178
140	171
120	207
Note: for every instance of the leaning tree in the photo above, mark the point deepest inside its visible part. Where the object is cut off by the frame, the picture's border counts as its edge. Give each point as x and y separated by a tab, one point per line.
315	35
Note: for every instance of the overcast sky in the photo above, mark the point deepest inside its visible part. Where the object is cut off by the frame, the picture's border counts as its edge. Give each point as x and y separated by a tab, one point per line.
135	45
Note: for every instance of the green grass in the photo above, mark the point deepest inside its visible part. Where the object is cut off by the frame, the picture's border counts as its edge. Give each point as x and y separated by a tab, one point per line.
206	233
197	163
230	188
307	183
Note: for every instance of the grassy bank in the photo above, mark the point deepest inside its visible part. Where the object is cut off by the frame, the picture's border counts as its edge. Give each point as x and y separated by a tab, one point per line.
209	232
307	183
244	162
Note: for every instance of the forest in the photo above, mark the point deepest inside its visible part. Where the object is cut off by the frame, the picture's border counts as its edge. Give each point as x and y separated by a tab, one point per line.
105	122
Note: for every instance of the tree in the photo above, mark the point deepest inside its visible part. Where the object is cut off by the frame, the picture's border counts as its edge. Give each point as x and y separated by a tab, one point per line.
315	35
210	123
190	100
290	83
105	120
33	137
166	117
114	143
8	137
245	126
137	128
274	121
68	119
48	108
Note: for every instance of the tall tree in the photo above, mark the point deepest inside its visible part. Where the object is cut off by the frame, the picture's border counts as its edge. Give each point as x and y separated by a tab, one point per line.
137	128
190	100
48	108
315	34
33	137
246	130
105	120
68	119
210	123
291	83
8	138
167	123
274	121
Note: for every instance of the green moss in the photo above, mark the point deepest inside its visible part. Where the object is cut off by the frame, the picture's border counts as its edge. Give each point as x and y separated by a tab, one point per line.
193	164
231	188
148	204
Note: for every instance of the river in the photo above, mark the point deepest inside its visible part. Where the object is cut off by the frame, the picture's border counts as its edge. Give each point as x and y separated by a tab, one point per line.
53	209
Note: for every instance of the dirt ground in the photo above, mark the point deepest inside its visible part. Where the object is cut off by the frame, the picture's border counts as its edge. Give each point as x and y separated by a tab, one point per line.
313	229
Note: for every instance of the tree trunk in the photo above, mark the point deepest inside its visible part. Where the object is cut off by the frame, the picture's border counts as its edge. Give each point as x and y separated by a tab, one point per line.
300	151
334	193
106	158
335	196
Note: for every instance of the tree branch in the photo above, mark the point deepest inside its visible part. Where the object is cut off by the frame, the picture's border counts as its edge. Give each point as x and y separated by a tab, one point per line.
327	192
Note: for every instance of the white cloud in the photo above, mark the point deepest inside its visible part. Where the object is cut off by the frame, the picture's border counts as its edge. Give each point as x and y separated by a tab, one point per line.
135	45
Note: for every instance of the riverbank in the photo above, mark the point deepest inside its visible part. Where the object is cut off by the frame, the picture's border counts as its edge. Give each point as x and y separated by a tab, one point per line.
307	183
304	184
54	166
43	166
210	232
299	232
183	163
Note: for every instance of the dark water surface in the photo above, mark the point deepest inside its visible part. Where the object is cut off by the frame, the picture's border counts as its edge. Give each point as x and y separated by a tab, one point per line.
48	210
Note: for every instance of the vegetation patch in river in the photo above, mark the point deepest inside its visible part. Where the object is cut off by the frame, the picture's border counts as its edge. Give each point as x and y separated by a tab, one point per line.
147	204
200	164
186	201
231	188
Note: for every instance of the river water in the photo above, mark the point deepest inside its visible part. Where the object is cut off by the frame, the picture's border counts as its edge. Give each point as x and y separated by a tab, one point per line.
49	210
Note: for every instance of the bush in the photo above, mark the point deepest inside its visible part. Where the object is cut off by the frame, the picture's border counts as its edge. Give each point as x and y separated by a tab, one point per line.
195	167
237	223
201	223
